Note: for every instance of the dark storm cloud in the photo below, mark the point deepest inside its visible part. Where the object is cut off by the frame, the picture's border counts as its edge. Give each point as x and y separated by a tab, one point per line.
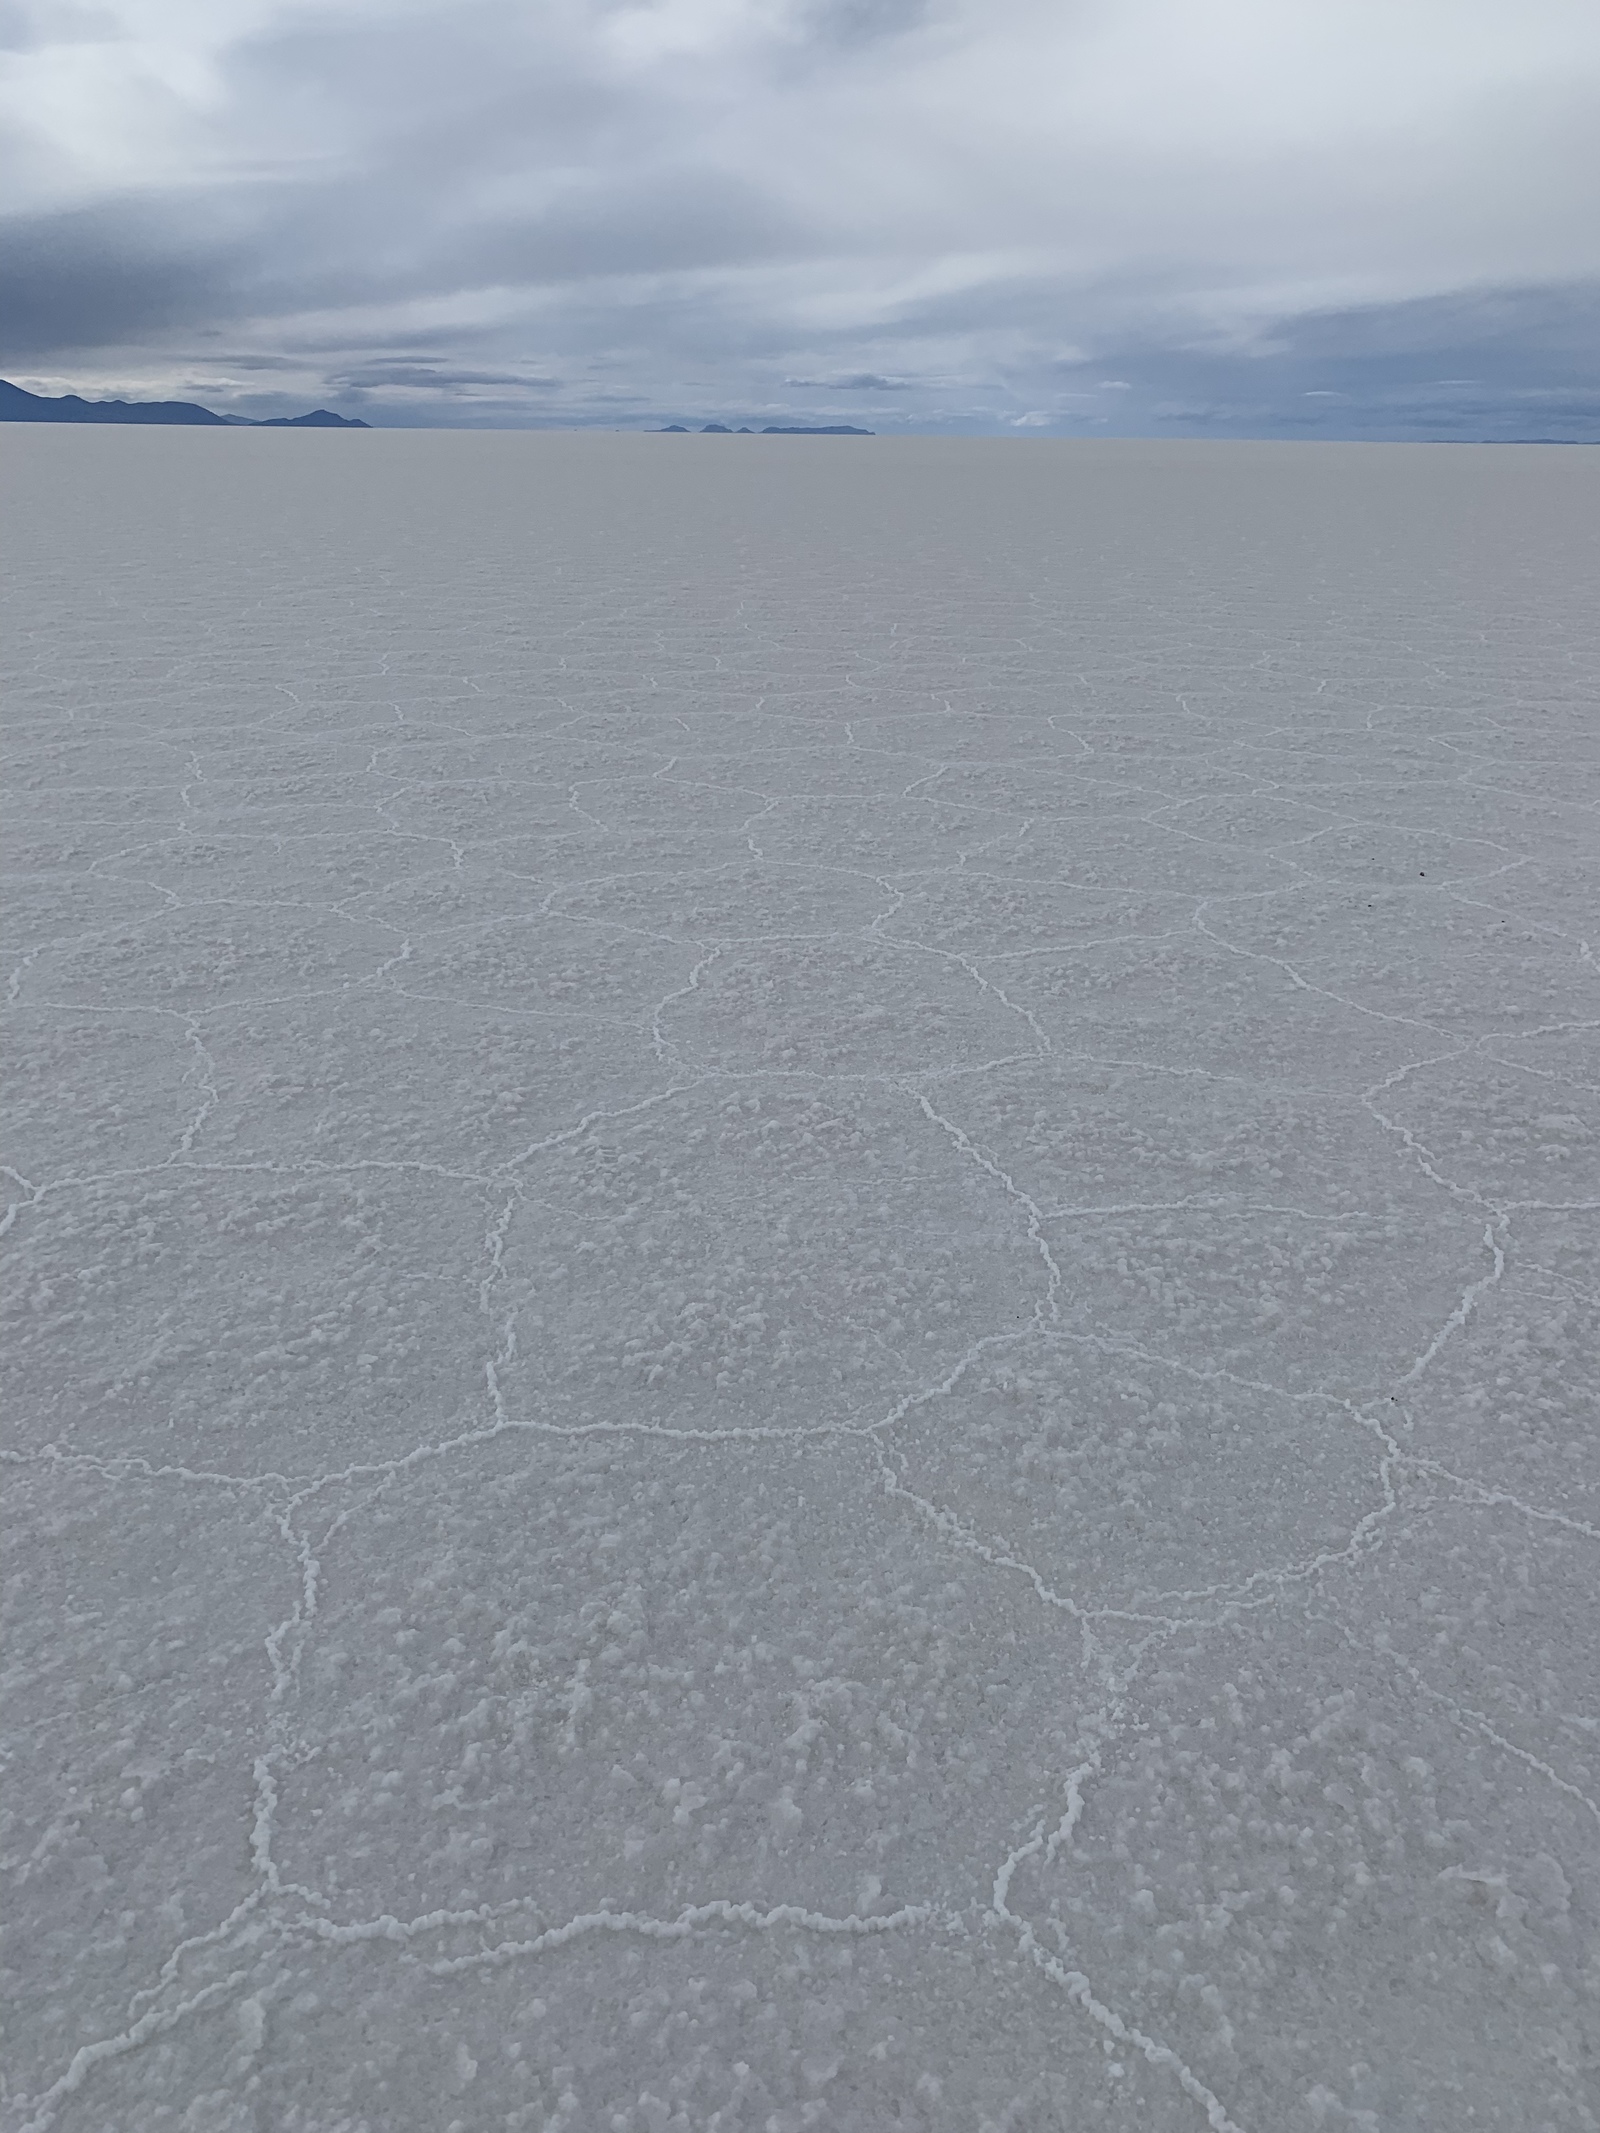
102	276
1495	364
1029	213
1503	331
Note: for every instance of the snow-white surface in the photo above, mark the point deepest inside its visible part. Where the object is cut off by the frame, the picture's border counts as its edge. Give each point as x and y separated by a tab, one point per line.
802	1308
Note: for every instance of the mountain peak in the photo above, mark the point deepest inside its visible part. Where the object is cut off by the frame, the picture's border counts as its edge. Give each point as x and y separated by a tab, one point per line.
19	405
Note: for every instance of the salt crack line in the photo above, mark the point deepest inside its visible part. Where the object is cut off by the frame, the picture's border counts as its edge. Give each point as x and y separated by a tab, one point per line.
1464	1309
1049	1305
130	1465
495	1240
89	2056
1256	955
662	1042
1414	1147
589	1118
721	1911
965	963
15	1207
1079	1990
1077	947
1466	1717
1107	1344
1480	1492
1365	1539
205	1072
1199	1203
216	1934
740	1433
735	1433
14	983
958	1534
296	1625
261	1833
176	1166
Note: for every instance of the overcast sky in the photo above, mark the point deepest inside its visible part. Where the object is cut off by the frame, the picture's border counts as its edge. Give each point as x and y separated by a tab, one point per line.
1267	217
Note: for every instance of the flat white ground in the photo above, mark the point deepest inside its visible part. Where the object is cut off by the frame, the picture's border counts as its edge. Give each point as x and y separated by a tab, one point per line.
803	1297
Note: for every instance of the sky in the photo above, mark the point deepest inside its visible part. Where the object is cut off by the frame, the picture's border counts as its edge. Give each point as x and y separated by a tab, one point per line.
1295	218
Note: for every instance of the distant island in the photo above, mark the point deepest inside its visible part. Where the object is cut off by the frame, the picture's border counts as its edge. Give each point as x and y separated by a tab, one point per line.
16	405
773	429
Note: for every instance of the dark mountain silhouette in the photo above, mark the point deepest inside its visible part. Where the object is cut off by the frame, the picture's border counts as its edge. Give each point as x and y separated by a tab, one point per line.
16	405
19	406
320	418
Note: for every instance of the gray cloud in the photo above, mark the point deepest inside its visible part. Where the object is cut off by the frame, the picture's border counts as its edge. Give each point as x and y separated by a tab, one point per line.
861	381
984	214
855	22
1398	371
437	377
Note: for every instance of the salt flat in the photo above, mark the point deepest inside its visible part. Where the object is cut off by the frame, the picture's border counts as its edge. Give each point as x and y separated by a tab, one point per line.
803	1297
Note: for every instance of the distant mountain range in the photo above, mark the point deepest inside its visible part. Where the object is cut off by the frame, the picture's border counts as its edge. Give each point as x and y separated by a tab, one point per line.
19	406
773	429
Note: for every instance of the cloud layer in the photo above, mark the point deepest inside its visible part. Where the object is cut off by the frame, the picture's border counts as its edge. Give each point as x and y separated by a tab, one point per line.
1300	217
